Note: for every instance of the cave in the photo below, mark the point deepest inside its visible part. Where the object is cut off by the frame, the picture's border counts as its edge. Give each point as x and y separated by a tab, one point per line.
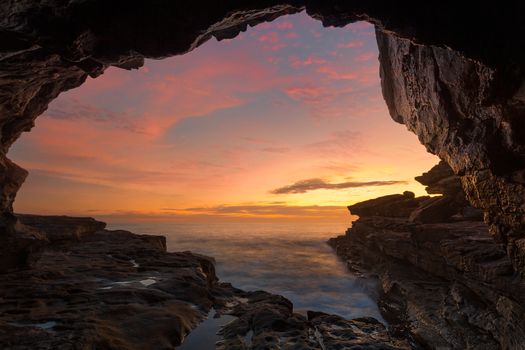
451	73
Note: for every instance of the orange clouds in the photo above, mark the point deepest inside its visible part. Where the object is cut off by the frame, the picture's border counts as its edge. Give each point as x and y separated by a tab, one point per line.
226	123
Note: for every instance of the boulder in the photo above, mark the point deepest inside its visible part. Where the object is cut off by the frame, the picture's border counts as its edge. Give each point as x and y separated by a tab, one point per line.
435	209
58	228
394	205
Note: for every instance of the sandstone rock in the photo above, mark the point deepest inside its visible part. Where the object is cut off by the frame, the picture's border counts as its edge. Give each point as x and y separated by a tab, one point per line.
108	290
442	284
57	228
266	321
441	180
105	289
435	209
19	245
395	205
455	106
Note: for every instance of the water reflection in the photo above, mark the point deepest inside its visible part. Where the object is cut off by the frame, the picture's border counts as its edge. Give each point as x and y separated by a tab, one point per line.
288	259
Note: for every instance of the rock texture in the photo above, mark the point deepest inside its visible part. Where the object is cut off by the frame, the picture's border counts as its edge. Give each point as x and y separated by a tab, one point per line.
455	106
445	283
267	321
454	80
104	290
99	289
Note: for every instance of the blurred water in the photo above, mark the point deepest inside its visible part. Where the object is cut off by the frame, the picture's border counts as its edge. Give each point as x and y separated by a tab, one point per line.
289	259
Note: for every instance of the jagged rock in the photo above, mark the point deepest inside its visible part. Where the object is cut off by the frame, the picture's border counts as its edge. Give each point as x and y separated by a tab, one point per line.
105	289
108	290
435	209
441	180
445	285
394	205
445	282
20	245
461	111
57	228
459	88
267	321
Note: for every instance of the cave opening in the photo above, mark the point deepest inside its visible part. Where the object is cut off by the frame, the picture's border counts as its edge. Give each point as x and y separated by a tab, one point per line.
266	136
285	121
444	281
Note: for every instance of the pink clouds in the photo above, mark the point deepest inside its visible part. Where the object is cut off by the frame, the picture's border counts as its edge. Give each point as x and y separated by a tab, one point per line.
296	62
366	56
309	94
284	25
226	122
271	37
351	44
335	74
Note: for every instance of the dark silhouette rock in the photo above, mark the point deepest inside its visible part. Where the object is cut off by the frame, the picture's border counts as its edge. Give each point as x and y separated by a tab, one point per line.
441	180
267	321
58	228
99	289
433	210
394	205
445	283
459	110
20	245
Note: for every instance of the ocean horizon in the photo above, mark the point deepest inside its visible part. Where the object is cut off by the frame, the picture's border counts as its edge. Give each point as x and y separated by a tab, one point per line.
290	259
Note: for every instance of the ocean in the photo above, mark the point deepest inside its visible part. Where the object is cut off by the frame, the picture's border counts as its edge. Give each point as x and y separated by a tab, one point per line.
290	259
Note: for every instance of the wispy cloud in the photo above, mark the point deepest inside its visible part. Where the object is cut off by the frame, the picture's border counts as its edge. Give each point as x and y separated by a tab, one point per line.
351	44
304	186
263	209
275	149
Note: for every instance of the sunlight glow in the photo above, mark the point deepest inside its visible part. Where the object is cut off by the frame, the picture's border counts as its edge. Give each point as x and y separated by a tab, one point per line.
212	134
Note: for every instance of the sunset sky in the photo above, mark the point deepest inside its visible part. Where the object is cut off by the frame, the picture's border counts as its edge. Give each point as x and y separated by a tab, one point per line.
286	121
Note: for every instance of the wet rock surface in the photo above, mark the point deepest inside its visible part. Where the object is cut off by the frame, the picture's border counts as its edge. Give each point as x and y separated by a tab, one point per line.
104	290
99	289
445	284
266	321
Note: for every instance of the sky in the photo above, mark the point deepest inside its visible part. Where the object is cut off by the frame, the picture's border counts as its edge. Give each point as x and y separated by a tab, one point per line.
284	122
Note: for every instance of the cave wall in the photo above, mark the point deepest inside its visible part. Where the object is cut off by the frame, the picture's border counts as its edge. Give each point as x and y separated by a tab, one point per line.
452	73
454	105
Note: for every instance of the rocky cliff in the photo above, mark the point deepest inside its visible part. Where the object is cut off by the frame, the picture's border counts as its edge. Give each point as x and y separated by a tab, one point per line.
99	289
445	283
451	72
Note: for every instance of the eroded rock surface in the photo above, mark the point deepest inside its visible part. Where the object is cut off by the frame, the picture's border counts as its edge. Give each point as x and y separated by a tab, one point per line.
445	283
459	109
105	290
266	321
454	80
99	289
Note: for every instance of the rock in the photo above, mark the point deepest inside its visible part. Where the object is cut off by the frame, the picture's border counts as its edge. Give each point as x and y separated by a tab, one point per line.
395	205
57	228
435	209
459	109
442	283
99	289
459	88
20	245
471	213
441	180
445	282
267	321
108	289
